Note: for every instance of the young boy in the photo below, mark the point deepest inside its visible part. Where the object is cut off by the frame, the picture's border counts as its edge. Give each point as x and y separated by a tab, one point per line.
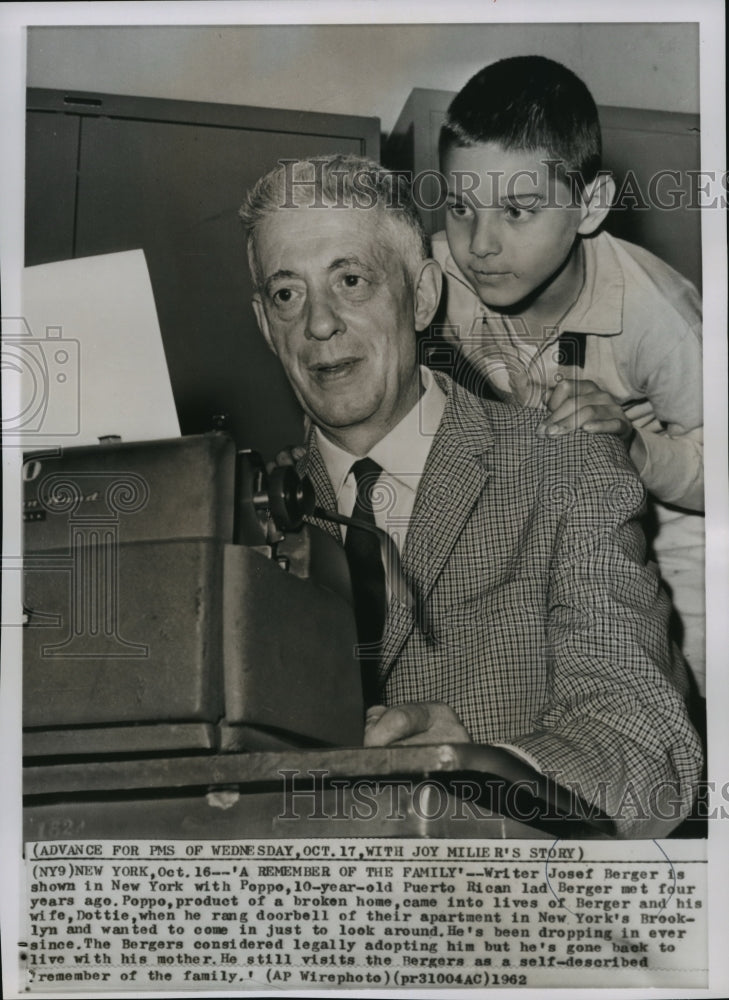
557	314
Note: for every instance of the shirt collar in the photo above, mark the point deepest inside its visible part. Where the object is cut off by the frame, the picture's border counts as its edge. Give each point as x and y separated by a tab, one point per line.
404	450
599	306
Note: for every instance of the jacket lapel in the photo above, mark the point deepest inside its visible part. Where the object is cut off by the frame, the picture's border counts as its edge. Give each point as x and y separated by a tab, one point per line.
455	475
312	466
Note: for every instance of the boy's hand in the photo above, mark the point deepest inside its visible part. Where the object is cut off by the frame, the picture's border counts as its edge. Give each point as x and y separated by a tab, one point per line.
413	723
578	403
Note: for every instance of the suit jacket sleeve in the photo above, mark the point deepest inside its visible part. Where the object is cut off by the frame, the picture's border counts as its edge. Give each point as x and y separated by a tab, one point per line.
615	724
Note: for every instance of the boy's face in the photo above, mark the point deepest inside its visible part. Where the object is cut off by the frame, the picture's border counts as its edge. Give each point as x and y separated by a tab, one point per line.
511	225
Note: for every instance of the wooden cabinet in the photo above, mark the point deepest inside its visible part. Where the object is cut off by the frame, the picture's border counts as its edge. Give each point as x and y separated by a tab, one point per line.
109	173
654	156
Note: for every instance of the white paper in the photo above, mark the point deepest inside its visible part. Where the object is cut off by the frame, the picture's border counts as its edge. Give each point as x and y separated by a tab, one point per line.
90	354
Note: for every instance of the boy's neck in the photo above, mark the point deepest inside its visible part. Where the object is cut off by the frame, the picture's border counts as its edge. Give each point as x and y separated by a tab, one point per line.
548	305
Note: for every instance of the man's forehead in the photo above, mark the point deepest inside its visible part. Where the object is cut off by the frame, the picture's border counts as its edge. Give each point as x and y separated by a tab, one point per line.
330	233
331	217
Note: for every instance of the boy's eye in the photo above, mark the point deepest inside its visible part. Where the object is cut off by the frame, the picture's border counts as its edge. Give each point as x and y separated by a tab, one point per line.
518	213
457	209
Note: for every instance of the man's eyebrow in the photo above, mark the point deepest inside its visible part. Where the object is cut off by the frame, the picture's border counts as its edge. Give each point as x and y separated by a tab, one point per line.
276	276
352	261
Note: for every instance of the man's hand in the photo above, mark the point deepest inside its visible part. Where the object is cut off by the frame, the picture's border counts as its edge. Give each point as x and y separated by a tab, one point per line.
413	723
578	403
287	456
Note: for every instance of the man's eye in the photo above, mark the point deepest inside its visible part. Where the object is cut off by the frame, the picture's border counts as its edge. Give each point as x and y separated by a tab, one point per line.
284	297
355	283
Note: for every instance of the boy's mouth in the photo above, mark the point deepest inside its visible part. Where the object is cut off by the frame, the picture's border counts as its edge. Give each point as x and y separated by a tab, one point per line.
491	277
488	275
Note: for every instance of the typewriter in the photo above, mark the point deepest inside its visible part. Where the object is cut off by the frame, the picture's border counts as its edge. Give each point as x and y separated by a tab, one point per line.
189	666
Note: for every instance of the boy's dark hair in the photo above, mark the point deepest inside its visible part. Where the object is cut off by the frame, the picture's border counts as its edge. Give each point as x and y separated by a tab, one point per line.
530	103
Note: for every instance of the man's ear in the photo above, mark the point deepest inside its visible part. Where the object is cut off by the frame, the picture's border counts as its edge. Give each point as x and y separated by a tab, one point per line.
262	321
596	201
426	292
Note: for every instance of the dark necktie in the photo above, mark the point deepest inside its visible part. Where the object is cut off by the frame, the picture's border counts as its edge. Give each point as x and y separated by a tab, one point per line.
368	578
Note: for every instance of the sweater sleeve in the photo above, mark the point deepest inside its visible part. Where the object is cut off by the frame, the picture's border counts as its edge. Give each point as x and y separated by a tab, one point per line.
663	364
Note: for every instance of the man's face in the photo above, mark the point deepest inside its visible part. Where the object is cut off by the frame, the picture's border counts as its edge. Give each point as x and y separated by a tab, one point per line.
336	307
511	223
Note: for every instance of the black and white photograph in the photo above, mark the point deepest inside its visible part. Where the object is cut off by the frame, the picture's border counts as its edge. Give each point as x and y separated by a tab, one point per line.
364	556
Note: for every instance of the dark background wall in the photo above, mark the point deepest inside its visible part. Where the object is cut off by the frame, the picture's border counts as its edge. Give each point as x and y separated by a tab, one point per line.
106	174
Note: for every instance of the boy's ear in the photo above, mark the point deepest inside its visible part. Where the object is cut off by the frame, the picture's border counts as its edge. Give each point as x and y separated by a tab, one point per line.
262	321
426	292
596	201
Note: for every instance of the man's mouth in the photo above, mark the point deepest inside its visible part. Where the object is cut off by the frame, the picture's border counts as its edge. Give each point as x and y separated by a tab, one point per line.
328	371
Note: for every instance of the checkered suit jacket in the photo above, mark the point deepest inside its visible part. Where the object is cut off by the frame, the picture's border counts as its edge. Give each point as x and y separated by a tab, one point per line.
536	618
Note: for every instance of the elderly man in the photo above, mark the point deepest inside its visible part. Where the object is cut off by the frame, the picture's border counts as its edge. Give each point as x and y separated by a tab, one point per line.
535	623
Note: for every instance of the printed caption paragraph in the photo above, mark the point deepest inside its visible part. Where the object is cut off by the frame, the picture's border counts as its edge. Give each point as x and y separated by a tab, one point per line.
359	914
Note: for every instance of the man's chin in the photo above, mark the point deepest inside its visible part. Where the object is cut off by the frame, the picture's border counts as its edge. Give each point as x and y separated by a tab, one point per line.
336	418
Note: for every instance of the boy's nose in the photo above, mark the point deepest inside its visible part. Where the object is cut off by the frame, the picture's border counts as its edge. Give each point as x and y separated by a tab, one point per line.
323	321
485	239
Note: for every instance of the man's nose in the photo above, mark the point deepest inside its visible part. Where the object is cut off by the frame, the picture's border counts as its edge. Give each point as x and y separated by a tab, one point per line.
485	236
323	320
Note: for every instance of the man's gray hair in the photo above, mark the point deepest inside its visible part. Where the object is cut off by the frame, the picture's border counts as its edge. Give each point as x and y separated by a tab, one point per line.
339	181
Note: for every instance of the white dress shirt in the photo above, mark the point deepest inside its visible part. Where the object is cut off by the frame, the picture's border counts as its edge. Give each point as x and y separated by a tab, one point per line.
401	454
